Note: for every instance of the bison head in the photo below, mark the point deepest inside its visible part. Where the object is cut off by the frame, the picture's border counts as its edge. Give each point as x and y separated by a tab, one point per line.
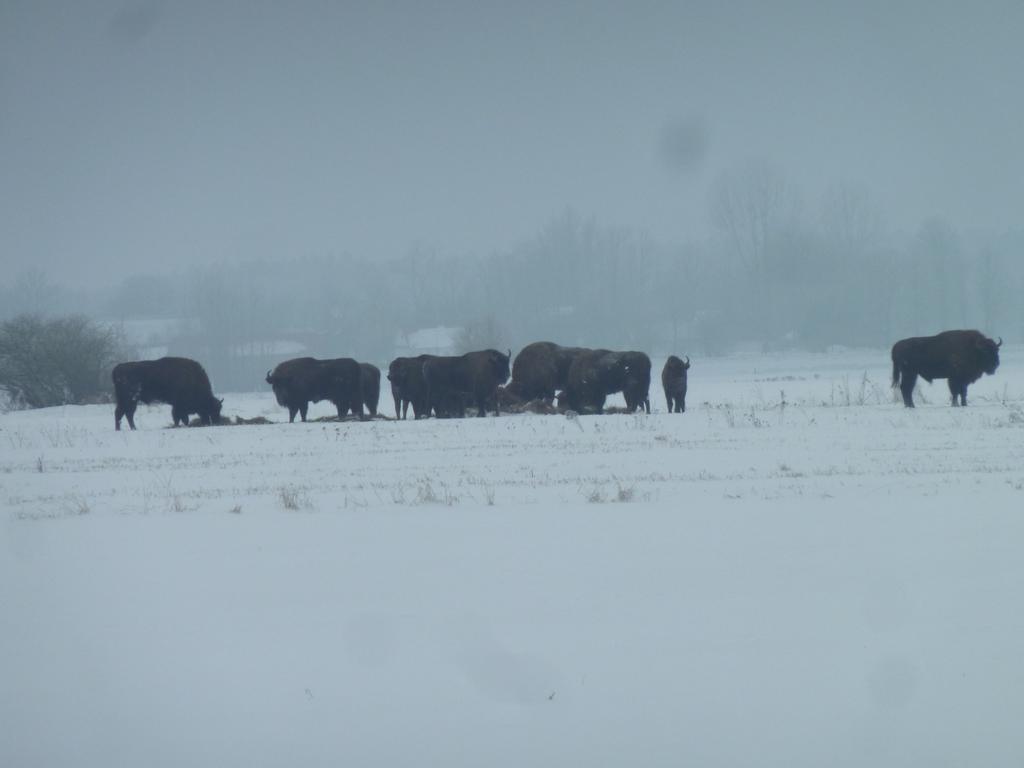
215	410
988	354
397	373
499	365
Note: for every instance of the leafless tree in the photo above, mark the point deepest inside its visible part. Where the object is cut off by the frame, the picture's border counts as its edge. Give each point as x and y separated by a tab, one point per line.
55	361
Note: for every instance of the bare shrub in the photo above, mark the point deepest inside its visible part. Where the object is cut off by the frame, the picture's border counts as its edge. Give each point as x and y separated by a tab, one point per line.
292	498
427	494
624	494
74	504
56	361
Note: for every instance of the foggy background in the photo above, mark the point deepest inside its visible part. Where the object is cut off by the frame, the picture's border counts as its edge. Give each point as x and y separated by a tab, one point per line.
243	182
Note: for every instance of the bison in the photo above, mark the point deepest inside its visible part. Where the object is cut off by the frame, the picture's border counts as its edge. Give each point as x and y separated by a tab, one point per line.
597	373
369	384
673	381
408	387
961	357
369	388
304	379
178	381
636	380
473	377
541	369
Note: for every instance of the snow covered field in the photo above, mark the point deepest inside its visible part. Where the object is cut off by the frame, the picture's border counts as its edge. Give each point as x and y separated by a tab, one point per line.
798	571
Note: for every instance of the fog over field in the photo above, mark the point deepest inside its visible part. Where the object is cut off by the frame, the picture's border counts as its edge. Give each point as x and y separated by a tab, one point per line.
678	176
797	571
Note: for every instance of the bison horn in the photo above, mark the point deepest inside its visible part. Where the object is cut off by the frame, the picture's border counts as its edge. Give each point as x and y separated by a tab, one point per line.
1000	342
686	363
268	377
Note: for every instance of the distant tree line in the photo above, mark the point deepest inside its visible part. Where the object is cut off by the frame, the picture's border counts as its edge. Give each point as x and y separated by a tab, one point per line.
774	272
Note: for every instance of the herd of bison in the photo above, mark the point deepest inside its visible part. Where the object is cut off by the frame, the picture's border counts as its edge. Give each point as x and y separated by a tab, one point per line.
546	378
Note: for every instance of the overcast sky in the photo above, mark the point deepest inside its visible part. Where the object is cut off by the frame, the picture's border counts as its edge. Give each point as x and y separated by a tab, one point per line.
134	136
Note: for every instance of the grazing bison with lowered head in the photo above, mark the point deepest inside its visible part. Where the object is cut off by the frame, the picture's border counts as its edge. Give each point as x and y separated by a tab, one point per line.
408	387
473	377
673	381
961	357
177	381
541	369
304	379
597	373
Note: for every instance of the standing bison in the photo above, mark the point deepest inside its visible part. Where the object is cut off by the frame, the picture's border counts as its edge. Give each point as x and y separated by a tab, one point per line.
961	357
597	373
673	381
369	384
369	389
636	380
177	381
408	387
304	379
541	369
473	377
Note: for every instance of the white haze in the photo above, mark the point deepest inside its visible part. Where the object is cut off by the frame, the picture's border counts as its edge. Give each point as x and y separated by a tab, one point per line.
154	136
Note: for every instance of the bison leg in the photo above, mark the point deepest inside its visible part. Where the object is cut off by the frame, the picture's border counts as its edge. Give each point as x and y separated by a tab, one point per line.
303	410
647	404
958	389
291	414
118	413
907	382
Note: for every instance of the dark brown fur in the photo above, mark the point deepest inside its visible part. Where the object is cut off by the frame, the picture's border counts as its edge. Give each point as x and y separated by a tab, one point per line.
961	357
597	373
408	387
541	369
673	381
299	381
178	381
473	377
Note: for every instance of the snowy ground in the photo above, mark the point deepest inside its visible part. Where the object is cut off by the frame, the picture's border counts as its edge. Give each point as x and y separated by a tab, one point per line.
798	571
